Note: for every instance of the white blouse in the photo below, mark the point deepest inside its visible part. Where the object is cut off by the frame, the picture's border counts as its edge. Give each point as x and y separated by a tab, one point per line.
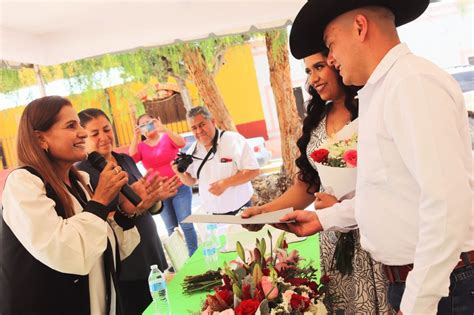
74	245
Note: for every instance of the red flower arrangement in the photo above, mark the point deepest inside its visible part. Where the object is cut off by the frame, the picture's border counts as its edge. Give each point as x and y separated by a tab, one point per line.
273	284
339	154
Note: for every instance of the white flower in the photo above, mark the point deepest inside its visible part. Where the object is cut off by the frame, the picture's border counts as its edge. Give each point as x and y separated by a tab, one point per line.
316	309
287	296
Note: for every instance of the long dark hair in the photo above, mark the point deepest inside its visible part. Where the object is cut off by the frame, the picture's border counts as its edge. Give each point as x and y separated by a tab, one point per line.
316	109
40	115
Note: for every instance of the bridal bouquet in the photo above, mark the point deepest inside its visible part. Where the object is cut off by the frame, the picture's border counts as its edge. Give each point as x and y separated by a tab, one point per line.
336	164
258	283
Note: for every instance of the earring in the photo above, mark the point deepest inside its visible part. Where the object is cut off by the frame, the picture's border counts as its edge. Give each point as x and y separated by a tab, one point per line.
46	150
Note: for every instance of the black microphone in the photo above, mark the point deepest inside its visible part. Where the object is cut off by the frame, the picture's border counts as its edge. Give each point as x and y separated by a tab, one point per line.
98	162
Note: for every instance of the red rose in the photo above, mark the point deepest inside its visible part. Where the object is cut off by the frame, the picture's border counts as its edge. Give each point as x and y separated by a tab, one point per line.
227	283
246	292
297	281
227	296
313	286
299	303
350	156
319	155
216	303
325	279
247	307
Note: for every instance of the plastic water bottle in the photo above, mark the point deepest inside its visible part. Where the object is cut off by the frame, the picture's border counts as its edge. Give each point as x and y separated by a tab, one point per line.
211	246
157	284
221	234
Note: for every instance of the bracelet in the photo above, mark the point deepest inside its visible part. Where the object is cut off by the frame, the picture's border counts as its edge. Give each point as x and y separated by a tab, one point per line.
156	208
127	215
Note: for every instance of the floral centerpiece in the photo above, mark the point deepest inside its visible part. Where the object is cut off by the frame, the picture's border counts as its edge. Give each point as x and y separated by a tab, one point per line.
336	164
257	283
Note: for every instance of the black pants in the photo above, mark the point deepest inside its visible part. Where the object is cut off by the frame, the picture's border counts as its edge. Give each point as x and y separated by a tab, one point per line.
135	295
247	204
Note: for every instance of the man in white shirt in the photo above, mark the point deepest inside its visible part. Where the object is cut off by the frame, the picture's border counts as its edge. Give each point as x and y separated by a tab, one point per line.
223	165
413	201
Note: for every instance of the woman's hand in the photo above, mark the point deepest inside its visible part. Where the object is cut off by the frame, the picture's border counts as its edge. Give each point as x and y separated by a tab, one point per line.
137	133
250	212
324	200
169	188
147	188
111	180
159	125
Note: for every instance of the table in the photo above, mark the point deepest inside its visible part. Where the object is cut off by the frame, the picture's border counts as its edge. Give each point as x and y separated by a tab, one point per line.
191	304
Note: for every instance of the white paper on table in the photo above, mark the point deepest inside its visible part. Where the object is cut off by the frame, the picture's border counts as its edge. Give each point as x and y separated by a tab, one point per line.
264	218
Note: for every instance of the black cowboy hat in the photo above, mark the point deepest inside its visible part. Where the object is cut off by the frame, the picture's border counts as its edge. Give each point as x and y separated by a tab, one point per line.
306	37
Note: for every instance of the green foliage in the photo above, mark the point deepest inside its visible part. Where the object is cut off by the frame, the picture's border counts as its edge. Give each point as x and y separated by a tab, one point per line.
9	80
139	65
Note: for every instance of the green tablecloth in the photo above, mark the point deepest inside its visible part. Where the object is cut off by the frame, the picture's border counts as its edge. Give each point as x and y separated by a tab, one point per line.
191	304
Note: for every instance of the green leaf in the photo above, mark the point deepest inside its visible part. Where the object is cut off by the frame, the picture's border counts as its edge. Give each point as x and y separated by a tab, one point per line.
240	251
237	291
280	239
263	247
257	273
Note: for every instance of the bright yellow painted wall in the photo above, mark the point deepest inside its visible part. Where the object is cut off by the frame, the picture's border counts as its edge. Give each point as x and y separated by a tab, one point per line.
238	84
9	120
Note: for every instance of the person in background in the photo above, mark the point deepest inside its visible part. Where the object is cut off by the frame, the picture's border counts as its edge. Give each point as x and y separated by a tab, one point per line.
59	241
223	165
135	269
157	151
331	107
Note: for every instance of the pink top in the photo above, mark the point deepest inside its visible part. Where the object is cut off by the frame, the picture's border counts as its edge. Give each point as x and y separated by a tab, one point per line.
158	157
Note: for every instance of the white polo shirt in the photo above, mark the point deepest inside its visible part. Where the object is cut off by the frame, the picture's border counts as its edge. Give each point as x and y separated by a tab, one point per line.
233	154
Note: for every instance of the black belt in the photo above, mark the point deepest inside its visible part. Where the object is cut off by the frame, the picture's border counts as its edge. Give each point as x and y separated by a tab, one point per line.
233	212
399	274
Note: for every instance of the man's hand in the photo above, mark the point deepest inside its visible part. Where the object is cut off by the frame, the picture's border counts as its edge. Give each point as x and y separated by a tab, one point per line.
174	167
217	188
306	223
250	212
324	200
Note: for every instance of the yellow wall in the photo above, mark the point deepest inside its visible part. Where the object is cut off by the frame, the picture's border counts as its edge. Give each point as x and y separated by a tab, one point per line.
9	120
238	84
236	80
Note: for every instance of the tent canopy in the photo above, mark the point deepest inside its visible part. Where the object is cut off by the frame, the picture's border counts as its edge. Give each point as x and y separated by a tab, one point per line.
53	32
